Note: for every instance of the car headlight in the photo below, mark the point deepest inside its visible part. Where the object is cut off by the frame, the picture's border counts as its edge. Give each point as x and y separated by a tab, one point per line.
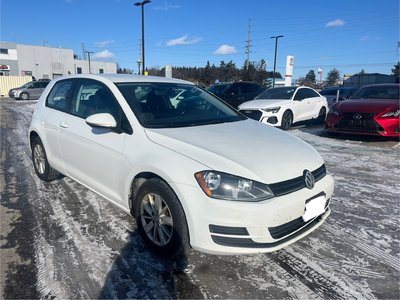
272	109
230	187
394	113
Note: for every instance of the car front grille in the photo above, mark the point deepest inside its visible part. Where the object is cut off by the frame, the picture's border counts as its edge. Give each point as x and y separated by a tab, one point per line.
295	184
354	121
252	114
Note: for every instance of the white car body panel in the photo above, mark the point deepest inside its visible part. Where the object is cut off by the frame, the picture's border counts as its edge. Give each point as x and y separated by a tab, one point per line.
240	154
303	110
107	162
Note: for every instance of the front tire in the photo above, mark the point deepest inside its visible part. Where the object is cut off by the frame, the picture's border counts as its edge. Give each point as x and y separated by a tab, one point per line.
40	162
287	120
160	218
24	96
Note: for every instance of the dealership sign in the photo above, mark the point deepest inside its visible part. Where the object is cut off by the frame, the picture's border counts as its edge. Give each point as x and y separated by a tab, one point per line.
4	68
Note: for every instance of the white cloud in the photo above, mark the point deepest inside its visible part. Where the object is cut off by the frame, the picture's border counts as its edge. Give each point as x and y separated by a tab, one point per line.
103	44
335	23
104	54
184	40
167	6
225	49
367	38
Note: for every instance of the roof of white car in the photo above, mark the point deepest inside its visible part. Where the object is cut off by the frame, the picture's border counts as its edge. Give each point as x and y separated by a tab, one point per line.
130	78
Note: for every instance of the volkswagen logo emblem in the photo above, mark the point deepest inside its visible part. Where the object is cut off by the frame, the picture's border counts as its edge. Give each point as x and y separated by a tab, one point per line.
357	116
309	179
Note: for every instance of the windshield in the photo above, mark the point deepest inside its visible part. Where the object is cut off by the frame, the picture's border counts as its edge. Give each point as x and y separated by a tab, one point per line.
166	105
217	89
277	93
378	92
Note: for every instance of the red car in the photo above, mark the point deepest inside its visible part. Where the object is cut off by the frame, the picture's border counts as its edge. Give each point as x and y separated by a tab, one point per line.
373	110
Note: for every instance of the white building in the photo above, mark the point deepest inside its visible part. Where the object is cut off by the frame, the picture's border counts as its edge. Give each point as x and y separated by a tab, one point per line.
46	62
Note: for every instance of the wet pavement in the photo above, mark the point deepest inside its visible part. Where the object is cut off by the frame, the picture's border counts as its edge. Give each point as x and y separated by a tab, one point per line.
60	240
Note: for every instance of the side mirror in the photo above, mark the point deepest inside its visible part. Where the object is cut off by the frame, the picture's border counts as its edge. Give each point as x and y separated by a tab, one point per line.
103	120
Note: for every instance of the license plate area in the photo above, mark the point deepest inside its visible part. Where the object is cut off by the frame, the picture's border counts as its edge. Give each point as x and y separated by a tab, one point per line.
314	207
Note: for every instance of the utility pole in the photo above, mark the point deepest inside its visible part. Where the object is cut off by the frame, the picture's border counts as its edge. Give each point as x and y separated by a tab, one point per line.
276	49
138	64
248	47
142	5
83	51
88	53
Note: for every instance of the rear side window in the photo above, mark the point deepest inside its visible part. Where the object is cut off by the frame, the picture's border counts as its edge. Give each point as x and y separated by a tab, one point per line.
59	96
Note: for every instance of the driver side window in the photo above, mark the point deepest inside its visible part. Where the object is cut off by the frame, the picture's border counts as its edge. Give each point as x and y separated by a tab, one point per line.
92	97
300	95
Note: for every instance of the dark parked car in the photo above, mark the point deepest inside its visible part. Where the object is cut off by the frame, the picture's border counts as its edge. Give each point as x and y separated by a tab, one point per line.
30	90
373	110
331	93
235	93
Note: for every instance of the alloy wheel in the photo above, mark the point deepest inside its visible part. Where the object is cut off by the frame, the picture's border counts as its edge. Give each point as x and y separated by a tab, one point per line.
156	219
39	159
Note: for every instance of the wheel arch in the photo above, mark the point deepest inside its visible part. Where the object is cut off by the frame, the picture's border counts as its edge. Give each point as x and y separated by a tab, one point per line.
138	181
32	136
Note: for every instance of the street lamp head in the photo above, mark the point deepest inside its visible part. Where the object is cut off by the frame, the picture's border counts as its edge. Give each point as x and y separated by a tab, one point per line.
276	37
142	3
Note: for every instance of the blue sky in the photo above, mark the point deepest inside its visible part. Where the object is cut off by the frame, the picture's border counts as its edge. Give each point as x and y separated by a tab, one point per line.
349	35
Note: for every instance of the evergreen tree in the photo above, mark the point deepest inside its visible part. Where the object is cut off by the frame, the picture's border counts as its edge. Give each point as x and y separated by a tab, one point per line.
333	77
396	69
311	76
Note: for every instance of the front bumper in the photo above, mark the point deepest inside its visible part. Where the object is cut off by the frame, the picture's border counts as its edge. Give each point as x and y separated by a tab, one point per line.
270	118
230	227
375	126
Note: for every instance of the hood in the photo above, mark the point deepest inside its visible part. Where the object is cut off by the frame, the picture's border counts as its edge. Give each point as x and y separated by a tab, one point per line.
365	105
245	148
264	103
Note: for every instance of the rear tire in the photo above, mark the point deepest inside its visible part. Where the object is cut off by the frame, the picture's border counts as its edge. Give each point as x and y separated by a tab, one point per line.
160	219
40	162
24	96
287	120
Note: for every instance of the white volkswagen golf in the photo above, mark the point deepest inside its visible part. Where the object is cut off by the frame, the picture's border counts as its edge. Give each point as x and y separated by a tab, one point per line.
284	106
196	173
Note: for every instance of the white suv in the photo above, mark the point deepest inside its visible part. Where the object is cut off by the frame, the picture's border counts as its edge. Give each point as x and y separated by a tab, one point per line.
195	173
284	106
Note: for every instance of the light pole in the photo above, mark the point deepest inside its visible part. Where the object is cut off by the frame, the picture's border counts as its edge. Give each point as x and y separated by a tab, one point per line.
142	5
276	48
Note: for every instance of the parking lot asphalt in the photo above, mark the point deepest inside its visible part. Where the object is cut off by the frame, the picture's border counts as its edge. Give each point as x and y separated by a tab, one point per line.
60	240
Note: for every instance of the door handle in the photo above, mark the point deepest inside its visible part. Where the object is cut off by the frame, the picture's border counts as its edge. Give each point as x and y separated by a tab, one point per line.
63	125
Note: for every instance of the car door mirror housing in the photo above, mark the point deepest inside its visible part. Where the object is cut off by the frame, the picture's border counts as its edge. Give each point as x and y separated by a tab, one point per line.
103	120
